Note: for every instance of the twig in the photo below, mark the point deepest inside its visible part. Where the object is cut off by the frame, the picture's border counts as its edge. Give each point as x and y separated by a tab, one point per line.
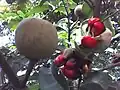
110	66
50	12
96	10
72	26
79	81
68	17
8	70
110	15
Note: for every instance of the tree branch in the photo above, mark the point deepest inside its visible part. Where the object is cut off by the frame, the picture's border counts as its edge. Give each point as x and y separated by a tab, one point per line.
8	70
96	9
68	17
110	15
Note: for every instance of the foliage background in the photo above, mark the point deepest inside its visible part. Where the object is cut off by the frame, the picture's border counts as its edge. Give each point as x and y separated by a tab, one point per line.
12	12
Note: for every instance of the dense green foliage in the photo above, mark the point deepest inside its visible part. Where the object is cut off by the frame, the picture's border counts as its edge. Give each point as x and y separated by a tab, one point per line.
61	14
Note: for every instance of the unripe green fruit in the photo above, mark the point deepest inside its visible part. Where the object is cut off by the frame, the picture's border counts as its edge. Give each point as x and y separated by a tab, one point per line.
78	10
36	38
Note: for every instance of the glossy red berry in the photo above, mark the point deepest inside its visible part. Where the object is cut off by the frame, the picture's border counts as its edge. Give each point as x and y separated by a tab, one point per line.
70	64
98	28
60	60
70	74
91	21
89	42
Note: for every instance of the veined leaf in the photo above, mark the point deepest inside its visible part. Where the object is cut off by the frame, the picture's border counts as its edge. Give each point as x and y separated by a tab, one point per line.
38	9
7	15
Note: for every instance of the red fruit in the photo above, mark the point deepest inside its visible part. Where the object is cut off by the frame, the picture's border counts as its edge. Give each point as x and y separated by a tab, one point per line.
70	65
91	21
60	60
89	42
98	28
70	74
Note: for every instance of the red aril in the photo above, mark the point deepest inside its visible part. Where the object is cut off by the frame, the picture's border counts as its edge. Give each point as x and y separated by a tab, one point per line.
60	60
70	74
89	42
97	29
70	64
91	21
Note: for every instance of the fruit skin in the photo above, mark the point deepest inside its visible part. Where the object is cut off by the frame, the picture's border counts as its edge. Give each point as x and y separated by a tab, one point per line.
89	42
70	64
96	26
70	74
91	21
78	11
36	38
59	60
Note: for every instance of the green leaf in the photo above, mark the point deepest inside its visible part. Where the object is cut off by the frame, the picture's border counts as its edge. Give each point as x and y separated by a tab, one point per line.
108	24
62	34
38	9
12	47
21	14
34	87
87	10
61	10
8	15
13	24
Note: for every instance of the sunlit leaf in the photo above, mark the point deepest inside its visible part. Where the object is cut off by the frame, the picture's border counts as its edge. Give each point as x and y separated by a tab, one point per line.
38	9
21	14
87	10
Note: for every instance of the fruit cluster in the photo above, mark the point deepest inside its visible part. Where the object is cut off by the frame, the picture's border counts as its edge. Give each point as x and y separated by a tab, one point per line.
73	67
76	62
95	28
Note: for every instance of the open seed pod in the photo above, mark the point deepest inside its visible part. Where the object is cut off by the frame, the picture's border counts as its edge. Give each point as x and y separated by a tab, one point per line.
36	38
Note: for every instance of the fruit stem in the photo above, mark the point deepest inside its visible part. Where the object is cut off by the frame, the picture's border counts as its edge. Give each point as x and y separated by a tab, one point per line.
82	23
79	82
88	31
110	66
72	26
